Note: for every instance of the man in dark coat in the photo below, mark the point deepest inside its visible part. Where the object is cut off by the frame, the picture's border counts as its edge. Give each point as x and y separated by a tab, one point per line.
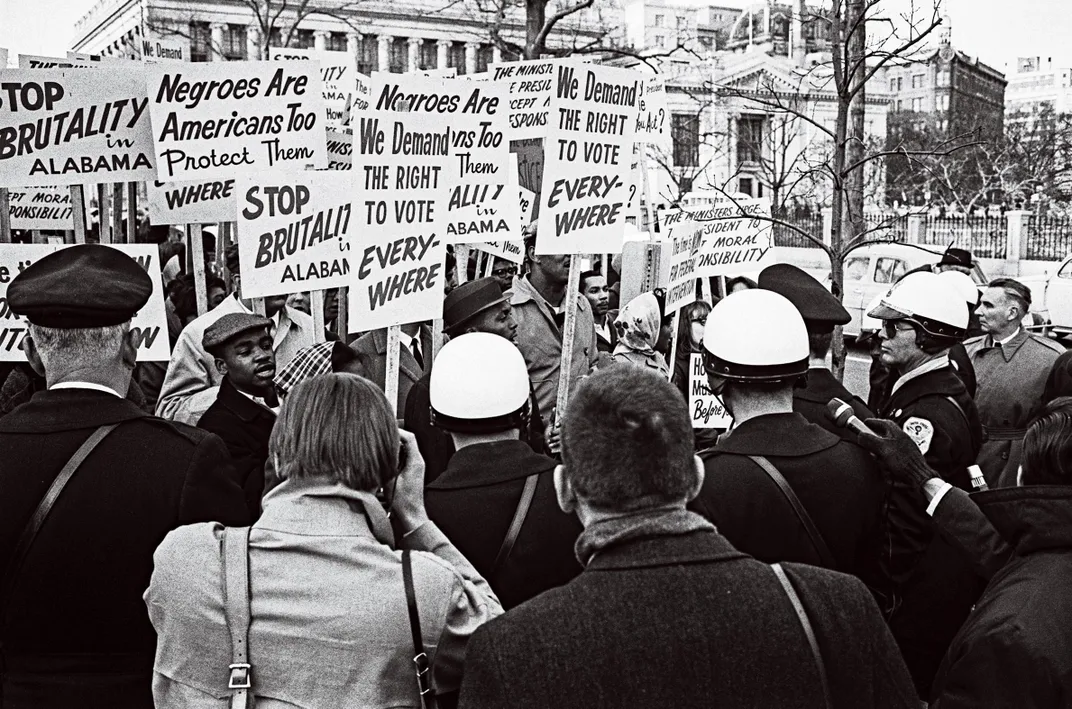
416	342
73	627
837	484
667	613
245	409
496	499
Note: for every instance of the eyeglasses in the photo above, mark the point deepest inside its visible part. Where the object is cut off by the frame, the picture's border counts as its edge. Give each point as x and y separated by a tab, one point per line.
504	272
891	329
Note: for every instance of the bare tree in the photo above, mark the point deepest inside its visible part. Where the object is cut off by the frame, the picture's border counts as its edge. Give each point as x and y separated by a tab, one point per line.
691	151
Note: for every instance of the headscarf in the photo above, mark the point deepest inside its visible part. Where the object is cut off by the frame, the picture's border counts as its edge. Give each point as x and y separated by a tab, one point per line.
638	324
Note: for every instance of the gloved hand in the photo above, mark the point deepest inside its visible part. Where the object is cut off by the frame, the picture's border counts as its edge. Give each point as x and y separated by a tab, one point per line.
897	454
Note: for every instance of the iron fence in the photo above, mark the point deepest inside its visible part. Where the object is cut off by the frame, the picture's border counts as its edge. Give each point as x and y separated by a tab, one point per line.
983	235
809	223
1048	238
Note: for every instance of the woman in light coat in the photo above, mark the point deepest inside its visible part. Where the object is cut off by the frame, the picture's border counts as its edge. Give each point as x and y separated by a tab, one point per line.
330	626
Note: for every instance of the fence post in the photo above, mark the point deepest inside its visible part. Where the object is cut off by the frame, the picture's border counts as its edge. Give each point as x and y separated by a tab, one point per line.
828	225
1016	241
914	234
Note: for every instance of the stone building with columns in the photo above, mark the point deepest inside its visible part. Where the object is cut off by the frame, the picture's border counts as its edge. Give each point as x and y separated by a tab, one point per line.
395	36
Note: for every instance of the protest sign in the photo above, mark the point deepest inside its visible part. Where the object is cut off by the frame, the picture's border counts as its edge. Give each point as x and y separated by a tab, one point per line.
586	191
338	70
33	61
69	127
3	58
653	123
734	242
481	206
340	148
530	84
512	251
149	325
195	202
399	246
705	408
364	92
294	232
685	237
222	119
526	203
158	49
40	208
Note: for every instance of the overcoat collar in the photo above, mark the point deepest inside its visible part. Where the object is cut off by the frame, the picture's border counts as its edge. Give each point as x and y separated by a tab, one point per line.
648	552
490	464
787	435
69	410
239	404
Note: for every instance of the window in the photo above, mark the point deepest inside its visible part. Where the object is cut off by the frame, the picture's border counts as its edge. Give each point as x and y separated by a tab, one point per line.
744	185
749	139
660	41
303	39
456	56
888	270
856	268
367	55
484	56
942	102
917	104
943	78
900	83
428	55
234	43
398	55
658	20
918	81
200	41
337	42
685	134
898	105
275	38
684	186
893	85
682	23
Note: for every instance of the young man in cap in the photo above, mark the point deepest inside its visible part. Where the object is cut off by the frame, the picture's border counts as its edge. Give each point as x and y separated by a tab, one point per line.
245	409
821	311
496	498
476	306
778	487
74	628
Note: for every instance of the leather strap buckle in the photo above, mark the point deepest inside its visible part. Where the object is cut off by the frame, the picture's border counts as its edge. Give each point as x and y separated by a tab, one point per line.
423	668
241	677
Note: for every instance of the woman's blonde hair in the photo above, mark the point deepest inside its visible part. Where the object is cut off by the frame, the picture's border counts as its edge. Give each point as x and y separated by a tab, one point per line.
337	426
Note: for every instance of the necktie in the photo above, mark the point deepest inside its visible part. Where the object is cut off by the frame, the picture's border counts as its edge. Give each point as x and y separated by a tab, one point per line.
415	346
271	400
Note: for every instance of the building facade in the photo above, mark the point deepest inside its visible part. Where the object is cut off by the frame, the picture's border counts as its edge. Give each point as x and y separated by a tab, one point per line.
1036	84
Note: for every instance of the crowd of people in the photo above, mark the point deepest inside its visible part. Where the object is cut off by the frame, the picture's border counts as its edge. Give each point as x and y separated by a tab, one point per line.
255	522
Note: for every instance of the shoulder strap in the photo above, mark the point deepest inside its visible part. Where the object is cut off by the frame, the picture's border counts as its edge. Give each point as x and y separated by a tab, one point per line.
236	611
802	616
520	514
29	533
420	658
825	557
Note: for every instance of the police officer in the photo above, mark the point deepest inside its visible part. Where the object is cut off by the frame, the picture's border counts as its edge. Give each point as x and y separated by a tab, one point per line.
923	316
959	359
109	482
821	311
496	499
778	487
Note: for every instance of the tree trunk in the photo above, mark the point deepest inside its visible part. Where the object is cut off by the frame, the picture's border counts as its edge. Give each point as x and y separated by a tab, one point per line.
535	16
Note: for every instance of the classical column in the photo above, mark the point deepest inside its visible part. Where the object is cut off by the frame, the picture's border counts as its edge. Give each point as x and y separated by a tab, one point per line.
353	46
496	54
384	56
414	54
320	40
216	50
470	56
442	53
253	43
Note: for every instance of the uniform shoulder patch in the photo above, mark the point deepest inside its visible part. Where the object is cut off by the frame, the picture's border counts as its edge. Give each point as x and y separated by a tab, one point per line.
921	431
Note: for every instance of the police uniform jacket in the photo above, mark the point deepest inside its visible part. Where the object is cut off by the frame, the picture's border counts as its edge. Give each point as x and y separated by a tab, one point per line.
811	400
837	482
934	583
1011	381
474	501
76	632
245	427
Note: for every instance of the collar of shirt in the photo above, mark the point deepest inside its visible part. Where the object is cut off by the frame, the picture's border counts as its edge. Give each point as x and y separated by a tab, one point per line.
258	400
1008	339
931	365
405	339
86	385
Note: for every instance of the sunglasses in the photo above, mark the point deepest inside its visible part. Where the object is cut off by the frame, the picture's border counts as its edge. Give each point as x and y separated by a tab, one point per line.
891	329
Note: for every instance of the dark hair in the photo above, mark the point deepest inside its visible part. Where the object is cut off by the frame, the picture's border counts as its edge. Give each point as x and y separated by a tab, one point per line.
184	297
230	259
819	343
684	328
734	282
627	440
1016	290
1047	456
585	275
341	355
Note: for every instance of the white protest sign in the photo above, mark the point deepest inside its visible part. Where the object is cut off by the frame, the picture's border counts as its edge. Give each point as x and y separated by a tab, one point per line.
158	49
196	202
338	71
340	148
685	236
705	408
3	58
222	119
294	232
526	202
33	61
480	205
733	242
449	72
530	84
399	246
653	124
586	192
69	127
149	325
40	208
364	92
512	251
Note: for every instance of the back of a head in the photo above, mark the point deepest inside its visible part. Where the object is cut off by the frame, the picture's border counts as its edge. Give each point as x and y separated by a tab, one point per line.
338	427
1047	457
627	441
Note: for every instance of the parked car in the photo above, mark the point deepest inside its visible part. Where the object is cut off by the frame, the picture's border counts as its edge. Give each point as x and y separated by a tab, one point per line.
1051	297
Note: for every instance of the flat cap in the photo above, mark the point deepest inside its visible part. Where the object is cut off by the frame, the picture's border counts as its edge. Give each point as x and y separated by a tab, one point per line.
231	325
83	286
819	307
470	299
956	257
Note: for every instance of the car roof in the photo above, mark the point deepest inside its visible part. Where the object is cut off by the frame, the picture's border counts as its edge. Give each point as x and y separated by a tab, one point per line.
916	254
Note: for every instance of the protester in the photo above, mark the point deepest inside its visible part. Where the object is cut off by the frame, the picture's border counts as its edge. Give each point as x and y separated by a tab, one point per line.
778	487
414	359
192	381
503	272
299	301
245	410
822	311
321	358
539	302
644	333
667	613
740	283
328	606
72	624
689	342
1011	366
923	316
594	288
496	498
476	306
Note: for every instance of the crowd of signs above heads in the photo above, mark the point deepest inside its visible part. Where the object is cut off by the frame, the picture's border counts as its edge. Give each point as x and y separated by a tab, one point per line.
339	179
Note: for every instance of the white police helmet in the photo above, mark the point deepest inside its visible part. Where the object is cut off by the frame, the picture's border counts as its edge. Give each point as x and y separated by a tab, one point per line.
479	384
755	335
928	300
964	285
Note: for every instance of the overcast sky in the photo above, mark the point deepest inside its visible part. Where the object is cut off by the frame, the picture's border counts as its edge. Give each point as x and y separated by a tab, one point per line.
995	30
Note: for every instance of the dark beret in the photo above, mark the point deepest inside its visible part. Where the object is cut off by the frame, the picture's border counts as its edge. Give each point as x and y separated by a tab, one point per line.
83	286
231	325
819	307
